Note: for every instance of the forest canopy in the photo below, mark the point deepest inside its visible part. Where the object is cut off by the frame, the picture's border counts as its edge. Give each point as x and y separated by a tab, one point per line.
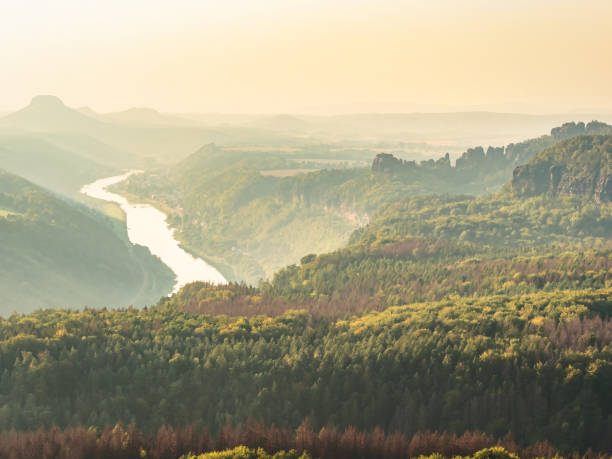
449	323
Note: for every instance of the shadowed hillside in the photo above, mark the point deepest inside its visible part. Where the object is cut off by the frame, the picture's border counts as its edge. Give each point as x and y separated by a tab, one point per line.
59	254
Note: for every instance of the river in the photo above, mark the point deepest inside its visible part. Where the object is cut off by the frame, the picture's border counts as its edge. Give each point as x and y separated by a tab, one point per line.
147	226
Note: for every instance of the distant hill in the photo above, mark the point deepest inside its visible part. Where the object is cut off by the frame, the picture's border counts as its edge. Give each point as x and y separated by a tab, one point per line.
58	147
139	116
48	114
142	137
56	253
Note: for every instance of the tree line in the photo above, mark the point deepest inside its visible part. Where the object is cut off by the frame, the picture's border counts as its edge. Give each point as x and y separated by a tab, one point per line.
254	440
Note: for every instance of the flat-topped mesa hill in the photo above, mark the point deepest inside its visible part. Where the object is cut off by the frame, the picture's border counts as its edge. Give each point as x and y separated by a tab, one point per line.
579	166
49	113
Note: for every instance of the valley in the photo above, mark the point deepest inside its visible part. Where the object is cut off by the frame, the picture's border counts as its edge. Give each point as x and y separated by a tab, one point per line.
57	253
315	291
146	226
305	229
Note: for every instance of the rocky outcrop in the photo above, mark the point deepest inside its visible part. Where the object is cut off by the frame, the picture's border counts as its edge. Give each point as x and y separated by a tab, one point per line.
554	179
580	166
531	180
473	158
386	162
603	190
572	129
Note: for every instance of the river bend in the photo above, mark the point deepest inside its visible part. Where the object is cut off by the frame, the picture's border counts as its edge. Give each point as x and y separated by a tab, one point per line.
148	226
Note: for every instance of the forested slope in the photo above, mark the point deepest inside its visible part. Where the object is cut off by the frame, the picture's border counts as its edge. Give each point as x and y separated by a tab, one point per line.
432	247
245	223
57	253
250	224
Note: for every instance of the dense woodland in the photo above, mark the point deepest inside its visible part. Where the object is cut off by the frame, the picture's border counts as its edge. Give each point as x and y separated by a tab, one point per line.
537	366
449	323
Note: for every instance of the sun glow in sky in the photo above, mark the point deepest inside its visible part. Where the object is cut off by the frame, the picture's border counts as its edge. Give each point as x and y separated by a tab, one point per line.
309	56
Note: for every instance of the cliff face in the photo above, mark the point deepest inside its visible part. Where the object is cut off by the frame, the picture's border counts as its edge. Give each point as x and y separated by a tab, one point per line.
534	180
531	180
579	166
386	162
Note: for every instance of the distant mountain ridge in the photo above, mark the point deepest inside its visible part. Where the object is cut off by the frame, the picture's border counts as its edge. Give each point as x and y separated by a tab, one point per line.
140	137
48	113
140	116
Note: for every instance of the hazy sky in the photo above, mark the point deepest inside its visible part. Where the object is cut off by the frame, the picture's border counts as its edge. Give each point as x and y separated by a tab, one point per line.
299	56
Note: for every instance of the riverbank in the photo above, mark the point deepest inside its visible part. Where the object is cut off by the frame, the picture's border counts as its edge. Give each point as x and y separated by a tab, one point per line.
147	226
